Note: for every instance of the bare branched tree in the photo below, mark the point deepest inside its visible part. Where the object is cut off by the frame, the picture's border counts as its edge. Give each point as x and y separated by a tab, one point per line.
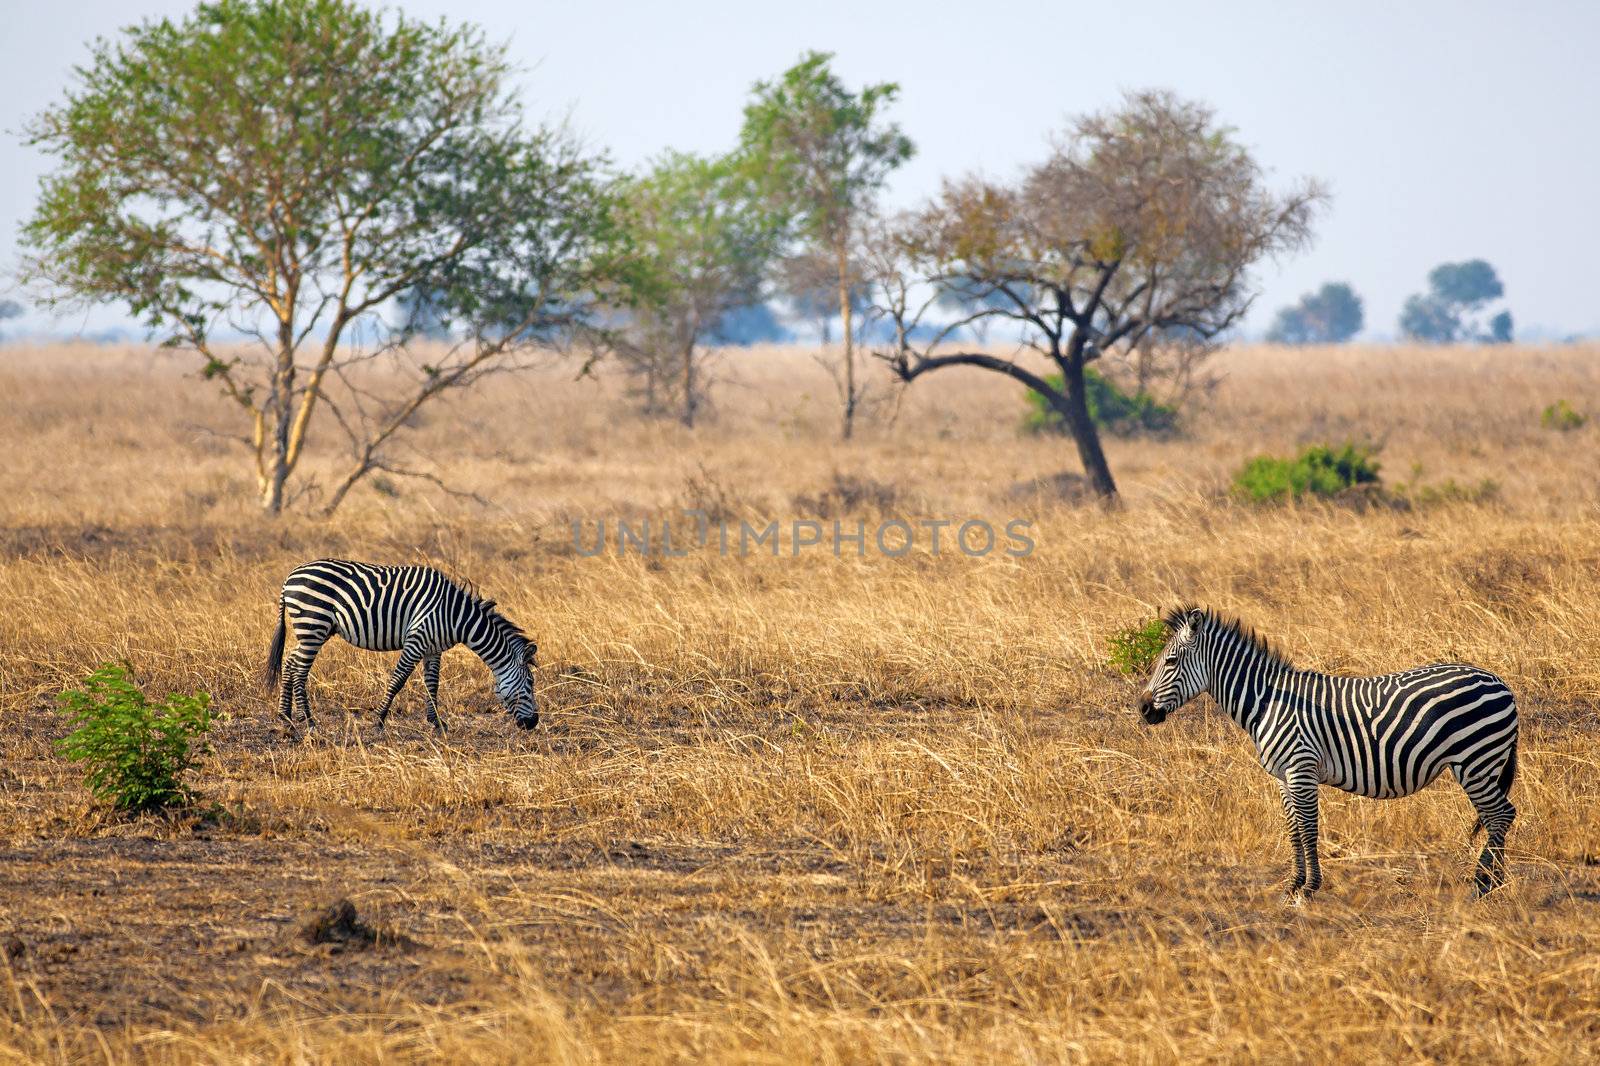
1134	238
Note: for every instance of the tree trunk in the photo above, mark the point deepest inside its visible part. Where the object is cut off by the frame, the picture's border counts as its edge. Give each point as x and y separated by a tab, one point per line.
688	385
272	492
849	341
1074	407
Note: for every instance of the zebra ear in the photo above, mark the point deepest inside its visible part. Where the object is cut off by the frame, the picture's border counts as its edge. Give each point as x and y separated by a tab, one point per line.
1175	619
1196	616
488	605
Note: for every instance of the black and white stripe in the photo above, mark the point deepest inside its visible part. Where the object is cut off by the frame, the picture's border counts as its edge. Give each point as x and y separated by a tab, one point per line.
414	610
1381	737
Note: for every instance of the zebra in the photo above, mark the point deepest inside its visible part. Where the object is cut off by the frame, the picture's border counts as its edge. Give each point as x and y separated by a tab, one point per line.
415	610
1381	737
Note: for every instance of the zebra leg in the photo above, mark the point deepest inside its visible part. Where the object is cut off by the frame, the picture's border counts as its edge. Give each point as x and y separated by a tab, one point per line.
430	678
294	680
1300	802
1294	843
410	655
286	689
1495	814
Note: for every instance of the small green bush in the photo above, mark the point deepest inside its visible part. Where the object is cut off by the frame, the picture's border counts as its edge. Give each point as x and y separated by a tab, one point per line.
1317	471
1560	416
1112	409
1134	650
135	753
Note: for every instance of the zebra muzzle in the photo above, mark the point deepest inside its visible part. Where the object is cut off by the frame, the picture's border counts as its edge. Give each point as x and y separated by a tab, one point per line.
1148	710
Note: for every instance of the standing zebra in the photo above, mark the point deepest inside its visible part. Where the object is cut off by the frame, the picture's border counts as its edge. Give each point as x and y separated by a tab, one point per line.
1381	736
414	610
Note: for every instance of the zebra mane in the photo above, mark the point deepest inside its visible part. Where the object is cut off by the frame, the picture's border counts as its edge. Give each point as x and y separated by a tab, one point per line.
487	606
506	625
1176	618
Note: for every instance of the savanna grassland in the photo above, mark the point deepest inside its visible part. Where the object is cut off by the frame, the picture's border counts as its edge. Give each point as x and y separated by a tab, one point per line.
811	809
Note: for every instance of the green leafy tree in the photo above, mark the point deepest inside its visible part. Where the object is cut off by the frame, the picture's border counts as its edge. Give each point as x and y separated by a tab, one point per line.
1450	310
135	753
1428	318
1134	239
1469	285
1500	328
1331	315
823	153
701	239
287	168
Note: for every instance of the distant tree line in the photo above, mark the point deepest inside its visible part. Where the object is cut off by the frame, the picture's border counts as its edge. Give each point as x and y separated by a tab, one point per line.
1456	308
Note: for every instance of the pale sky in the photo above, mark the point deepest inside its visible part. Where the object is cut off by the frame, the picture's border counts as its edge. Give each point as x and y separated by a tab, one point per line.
1446	130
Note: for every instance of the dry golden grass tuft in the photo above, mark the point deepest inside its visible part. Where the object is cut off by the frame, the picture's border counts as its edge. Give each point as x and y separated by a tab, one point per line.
811	809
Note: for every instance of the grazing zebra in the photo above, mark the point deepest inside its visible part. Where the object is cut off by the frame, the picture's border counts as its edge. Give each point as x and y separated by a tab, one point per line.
1381	736
414	610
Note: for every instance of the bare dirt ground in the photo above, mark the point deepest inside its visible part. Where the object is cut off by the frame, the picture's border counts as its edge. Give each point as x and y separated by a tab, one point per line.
800	809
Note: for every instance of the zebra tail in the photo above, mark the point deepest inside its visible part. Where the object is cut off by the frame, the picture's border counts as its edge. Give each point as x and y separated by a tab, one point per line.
1508	777
275	655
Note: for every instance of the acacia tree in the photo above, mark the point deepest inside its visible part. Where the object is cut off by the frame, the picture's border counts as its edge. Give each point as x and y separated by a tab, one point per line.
700	243
283	169
1134	237
824	153
1331	315
1449	311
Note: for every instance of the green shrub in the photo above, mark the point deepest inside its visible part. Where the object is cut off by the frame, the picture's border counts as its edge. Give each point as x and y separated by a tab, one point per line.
1317	471
134	753
1112	409
1134	650
1561	416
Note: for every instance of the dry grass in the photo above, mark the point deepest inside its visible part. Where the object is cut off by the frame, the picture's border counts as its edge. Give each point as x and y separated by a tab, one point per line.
800	810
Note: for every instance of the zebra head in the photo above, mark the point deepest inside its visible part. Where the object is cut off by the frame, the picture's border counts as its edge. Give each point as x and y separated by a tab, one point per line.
513	683
1182	670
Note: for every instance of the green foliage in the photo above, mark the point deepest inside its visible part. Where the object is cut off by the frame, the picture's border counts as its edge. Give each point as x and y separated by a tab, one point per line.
1134	650
701	236
820	151
1561	416
1111	408
1317	471
1331	315
297	166
135	753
